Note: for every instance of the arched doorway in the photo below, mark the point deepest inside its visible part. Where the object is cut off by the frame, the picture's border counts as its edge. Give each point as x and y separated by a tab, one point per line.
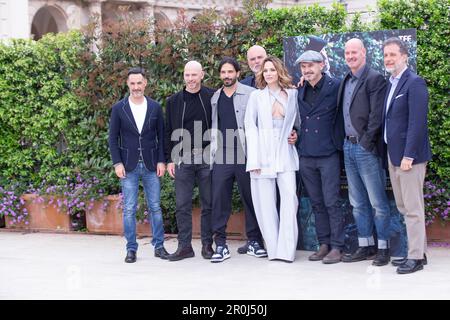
48	19
162	21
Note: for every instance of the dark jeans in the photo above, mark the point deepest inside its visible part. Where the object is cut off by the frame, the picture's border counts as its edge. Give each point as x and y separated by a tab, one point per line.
185	177
321	178
223	176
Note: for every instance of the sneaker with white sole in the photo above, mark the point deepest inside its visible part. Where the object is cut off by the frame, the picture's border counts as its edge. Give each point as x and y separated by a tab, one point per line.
256	250
221	254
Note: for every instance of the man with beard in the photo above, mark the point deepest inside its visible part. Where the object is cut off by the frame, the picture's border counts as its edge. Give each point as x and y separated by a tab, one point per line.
405	132
136	135
255	56
228	160
321	139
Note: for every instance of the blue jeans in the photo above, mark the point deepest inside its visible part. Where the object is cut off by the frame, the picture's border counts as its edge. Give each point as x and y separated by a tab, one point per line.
366	189
130	190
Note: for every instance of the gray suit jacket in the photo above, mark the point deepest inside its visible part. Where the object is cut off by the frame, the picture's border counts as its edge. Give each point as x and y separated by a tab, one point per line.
240	99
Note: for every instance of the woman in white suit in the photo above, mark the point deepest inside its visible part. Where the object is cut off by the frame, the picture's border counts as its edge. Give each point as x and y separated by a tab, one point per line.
270	116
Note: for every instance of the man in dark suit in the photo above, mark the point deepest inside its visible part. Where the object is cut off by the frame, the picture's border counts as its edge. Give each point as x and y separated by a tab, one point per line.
405	132
320	139
360	99
255	57
136	135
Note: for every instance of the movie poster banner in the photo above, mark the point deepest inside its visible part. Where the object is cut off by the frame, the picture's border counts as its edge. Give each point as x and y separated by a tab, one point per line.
332	46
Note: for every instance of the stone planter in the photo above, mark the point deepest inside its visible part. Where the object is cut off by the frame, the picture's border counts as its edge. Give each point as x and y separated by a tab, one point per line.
235	226
42	216
438	232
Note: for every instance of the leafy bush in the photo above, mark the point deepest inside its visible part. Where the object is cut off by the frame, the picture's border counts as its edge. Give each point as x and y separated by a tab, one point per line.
56	93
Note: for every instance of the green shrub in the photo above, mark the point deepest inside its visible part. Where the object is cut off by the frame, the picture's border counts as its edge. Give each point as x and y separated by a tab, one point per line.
56	93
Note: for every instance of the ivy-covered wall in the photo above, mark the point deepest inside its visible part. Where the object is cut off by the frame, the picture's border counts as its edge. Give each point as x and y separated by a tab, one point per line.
56	93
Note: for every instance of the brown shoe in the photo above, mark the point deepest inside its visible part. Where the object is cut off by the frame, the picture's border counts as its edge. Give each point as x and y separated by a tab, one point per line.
319	255
334	256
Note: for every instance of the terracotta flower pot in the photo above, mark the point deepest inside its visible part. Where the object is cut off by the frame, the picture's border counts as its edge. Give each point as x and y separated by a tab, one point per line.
105	216
437	232
144	229
42	216
235	226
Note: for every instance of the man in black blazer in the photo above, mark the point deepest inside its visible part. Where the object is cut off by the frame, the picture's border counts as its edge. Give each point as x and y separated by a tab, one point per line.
360	99
136	136
405	132
320	139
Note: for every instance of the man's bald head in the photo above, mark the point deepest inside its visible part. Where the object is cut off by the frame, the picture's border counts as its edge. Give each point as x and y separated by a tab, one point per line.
255	56
193	76
355	54
193	65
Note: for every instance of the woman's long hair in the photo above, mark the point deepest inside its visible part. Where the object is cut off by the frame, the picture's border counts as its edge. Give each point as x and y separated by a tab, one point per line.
284	79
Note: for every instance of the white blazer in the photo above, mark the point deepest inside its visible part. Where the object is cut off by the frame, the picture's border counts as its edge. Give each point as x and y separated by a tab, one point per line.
263	151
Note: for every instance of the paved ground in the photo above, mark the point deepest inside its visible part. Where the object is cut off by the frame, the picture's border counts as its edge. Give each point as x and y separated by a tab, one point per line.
76	266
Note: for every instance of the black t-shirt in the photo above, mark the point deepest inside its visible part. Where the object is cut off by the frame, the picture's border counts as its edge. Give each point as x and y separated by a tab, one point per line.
194	112
227	118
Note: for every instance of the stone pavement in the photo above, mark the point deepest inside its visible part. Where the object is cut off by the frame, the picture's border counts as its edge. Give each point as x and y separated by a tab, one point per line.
80	266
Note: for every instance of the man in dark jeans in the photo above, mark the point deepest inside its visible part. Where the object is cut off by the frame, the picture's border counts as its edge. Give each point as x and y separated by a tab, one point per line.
321	139
136	132
228	106
188	117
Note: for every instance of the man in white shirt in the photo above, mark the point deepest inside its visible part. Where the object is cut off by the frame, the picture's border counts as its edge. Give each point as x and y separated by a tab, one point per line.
136	142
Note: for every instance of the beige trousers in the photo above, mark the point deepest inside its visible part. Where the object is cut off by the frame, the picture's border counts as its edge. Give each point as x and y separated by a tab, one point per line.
408	193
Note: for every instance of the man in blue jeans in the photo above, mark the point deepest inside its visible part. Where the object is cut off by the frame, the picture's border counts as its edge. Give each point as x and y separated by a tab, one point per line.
136	135
360	99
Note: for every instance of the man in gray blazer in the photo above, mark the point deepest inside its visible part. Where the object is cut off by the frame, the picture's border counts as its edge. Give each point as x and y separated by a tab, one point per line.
227	158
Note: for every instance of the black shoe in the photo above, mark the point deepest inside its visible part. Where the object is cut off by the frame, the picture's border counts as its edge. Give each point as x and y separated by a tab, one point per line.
399	262
382	258
410	266
362	253
243	249
182	253
161	253
131	256
207	251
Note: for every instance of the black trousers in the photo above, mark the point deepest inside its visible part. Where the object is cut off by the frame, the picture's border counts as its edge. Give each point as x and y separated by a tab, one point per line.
223	177
186	175
321	178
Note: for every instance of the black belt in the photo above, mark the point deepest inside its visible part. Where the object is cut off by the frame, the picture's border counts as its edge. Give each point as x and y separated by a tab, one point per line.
352	139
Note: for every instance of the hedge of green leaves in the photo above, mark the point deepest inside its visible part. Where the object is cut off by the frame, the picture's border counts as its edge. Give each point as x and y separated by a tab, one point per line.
431	18
56	93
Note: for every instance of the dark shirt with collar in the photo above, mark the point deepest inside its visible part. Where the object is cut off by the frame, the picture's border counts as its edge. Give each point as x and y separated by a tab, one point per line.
311	93
349	87
320	134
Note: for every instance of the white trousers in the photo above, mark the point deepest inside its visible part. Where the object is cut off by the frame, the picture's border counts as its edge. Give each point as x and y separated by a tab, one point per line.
280	233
